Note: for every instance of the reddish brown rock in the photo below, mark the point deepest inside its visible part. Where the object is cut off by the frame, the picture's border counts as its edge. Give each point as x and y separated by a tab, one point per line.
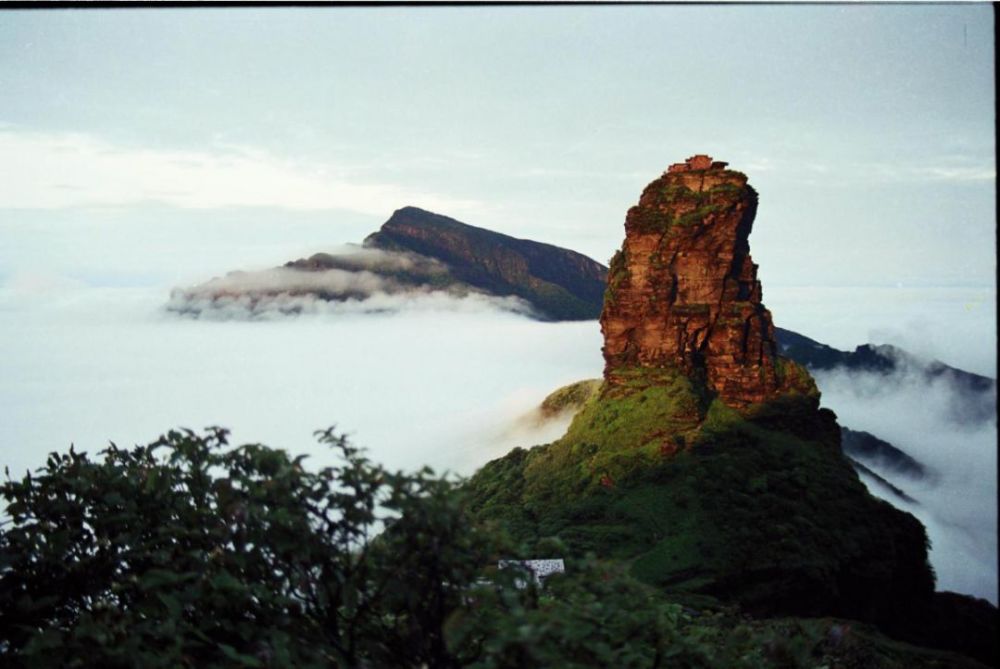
697	162
683	290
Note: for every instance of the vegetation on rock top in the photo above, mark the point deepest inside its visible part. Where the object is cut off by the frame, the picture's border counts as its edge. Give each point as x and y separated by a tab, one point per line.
569	398
706	504
690	492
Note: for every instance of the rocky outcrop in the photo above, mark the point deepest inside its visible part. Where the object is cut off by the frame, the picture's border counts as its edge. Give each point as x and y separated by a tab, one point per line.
741	493
683	290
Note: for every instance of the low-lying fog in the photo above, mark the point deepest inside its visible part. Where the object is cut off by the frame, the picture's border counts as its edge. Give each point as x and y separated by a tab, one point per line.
957	502
437	382
429	379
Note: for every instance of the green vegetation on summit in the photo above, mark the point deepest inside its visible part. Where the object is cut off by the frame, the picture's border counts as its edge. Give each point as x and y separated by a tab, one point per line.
760	509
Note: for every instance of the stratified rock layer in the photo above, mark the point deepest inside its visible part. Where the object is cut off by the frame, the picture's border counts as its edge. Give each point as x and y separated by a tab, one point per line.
683	290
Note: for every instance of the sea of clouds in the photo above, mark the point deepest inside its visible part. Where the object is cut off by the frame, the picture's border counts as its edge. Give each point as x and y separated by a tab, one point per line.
957	501
417	379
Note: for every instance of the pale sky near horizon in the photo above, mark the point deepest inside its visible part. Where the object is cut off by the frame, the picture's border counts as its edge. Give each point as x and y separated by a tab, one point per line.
147	145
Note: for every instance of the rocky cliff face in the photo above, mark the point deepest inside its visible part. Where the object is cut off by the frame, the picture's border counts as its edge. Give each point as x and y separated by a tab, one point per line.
683	290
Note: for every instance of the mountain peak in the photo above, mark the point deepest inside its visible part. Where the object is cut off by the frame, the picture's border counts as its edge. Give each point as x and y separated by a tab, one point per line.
417	215
558	283
683	290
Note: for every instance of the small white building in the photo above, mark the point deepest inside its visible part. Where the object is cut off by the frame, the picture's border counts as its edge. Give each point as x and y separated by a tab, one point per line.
539	569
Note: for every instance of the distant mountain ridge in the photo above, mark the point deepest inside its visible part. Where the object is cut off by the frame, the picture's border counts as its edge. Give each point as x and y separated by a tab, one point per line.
557	283
414	253
873	358
973	396
867	447
561	284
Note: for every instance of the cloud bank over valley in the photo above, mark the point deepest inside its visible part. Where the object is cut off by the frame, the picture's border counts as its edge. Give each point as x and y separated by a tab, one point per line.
352	280
934	423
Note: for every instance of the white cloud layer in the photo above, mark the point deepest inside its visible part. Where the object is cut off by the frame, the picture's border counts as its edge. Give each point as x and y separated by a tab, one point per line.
283	280
370	299
957	504
430	379
364	281
47	170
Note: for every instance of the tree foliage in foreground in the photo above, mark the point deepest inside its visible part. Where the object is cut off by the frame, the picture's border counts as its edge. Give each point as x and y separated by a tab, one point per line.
188	552
191	553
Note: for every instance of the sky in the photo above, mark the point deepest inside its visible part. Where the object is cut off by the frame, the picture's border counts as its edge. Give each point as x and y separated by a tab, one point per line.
145	149
868	130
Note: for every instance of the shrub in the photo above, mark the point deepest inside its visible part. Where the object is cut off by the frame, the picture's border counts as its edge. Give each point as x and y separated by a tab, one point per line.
187	552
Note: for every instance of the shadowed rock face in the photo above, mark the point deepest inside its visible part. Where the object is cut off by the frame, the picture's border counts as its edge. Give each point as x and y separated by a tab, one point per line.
683	290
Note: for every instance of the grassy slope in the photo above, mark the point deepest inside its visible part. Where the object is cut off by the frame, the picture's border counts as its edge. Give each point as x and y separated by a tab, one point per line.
570	398
765	511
